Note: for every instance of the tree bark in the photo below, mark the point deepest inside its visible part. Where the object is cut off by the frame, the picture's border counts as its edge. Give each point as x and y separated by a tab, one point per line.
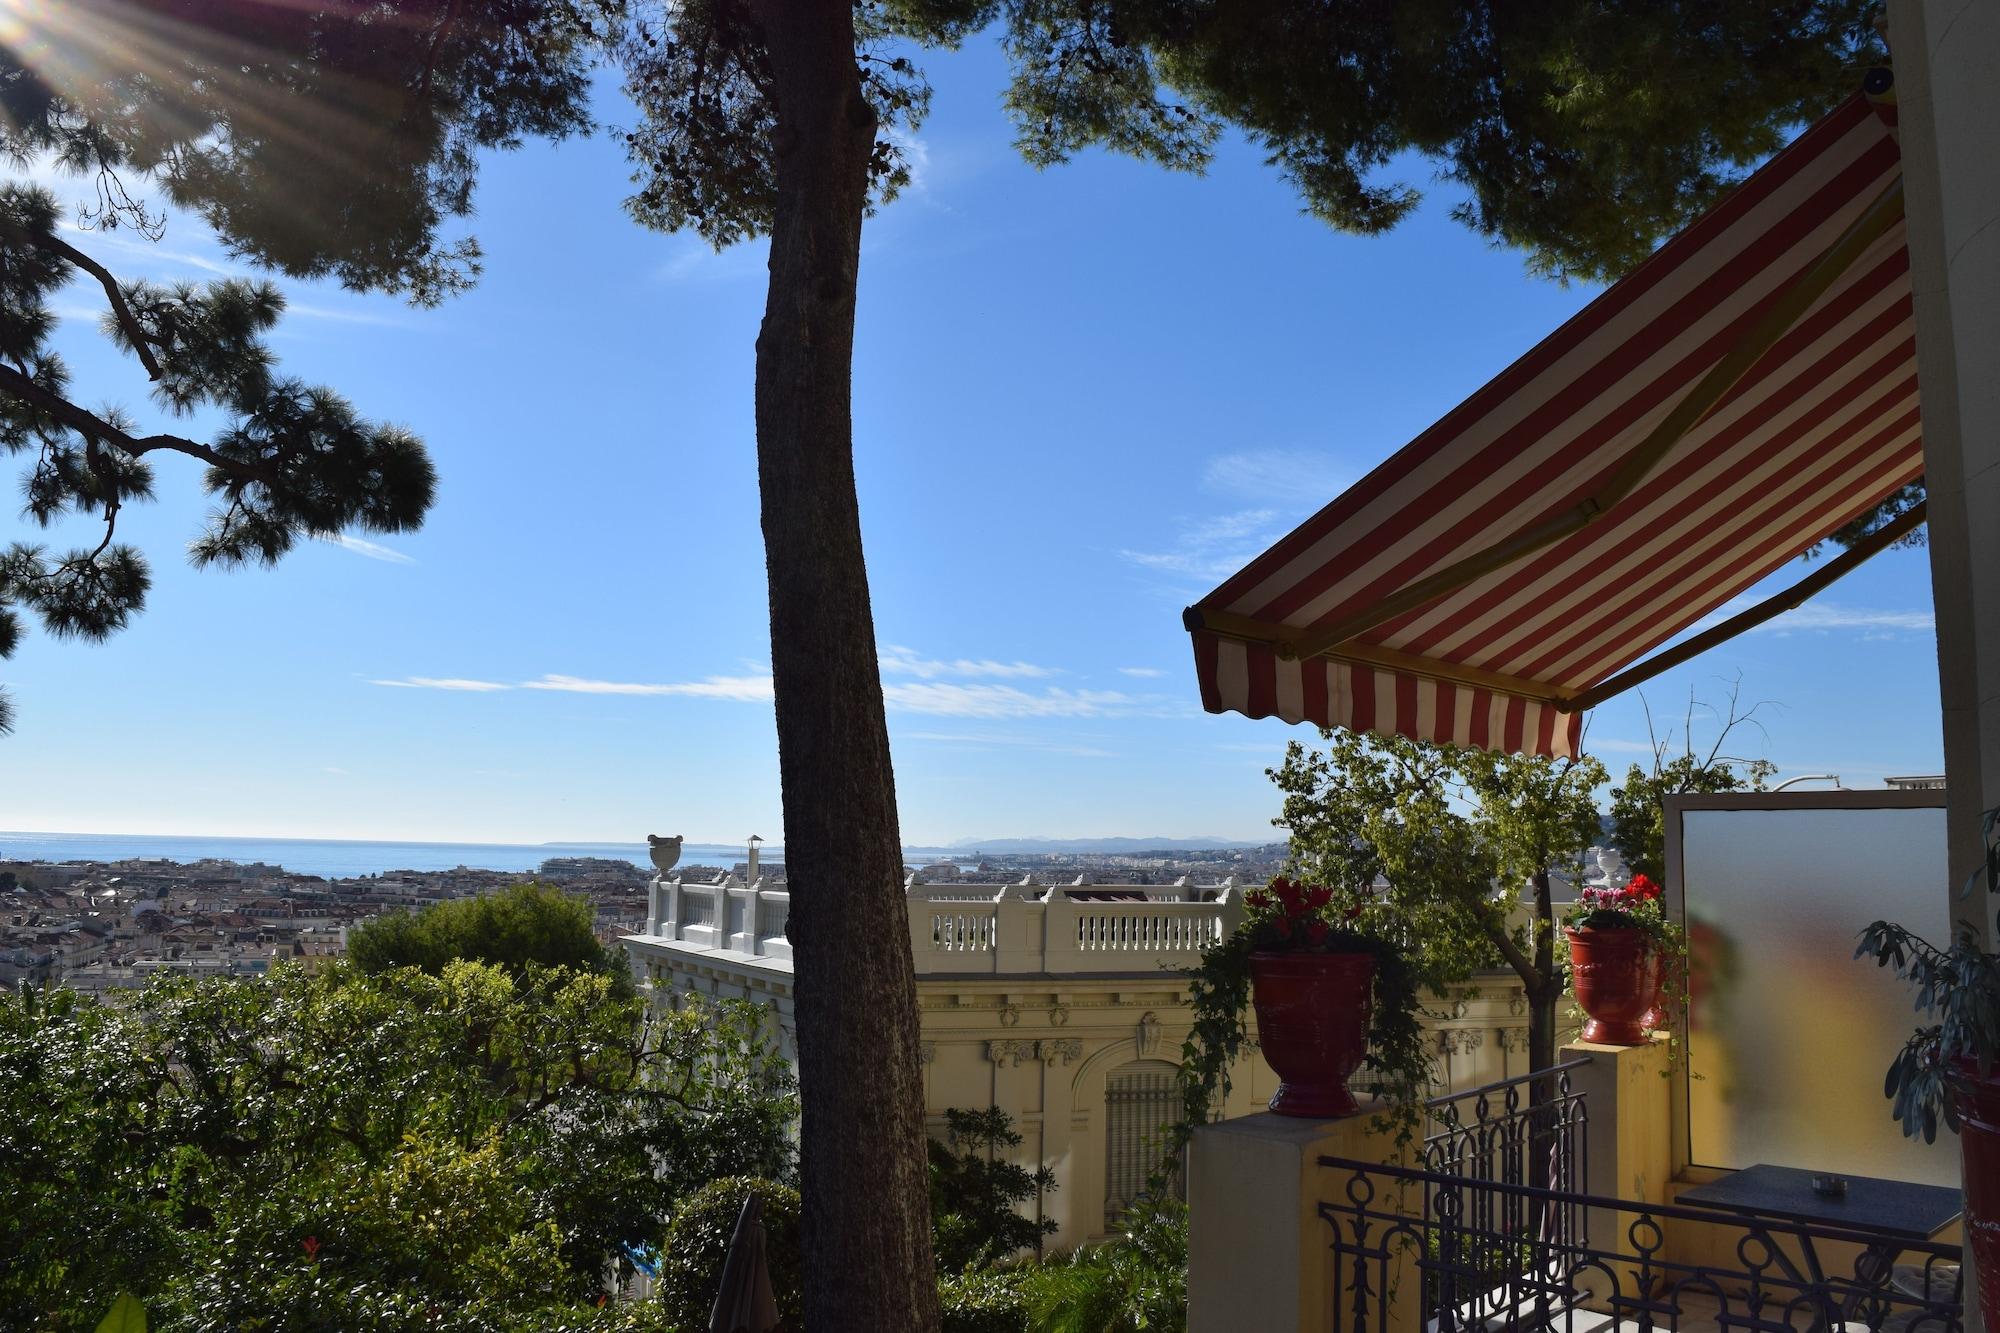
1547	995
866	1218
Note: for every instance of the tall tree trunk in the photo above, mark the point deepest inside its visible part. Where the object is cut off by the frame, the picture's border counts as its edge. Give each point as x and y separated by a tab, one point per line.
1543	999
866	1224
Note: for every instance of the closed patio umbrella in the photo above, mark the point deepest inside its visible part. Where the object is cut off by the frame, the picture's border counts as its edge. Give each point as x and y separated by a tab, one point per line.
743	1303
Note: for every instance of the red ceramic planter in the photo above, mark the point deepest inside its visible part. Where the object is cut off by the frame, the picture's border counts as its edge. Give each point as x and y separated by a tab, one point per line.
1615	975
1978	1104
1312	1021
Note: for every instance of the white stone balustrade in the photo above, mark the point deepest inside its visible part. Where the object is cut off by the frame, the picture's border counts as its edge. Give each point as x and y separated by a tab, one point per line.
974	929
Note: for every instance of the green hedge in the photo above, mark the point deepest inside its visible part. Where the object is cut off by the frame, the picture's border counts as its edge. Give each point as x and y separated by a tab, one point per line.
698	1241
983	1301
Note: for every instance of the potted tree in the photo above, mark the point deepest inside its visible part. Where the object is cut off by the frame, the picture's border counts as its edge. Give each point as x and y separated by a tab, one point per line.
1621	945
1332	999
1949	1069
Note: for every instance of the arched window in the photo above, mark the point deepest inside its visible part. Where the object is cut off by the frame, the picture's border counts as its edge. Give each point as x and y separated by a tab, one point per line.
1141	1100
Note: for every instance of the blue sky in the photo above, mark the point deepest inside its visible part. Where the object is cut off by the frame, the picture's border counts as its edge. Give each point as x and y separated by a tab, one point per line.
1082	396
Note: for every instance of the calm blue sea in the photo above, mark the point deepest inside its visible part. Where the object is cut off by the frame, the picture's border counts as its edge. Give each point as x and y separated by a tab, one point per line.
337	858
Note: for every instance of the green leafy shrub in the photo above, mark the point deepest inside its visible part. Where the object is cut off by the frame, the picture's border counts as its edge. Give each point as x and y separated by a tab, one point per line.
991	1300
354	1153
1136	1283
698	1241
526	925
976	1191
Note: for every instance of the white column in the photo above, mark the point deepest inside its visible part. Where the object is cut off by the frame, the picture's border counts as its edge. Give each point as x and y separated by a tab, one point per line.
1259	1254
1947	62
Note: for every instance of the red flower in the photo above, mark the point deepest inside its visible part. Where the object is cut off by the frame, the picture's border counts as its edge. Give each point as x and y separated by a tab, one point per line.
1288	893
1316	933
1642	889
1318	896
1284	924
1354	913
311	1246
1257	899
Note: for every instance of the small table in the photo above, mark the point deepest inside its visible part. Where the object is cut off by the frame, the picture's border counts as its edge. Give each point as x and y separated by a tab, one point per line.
1890	1209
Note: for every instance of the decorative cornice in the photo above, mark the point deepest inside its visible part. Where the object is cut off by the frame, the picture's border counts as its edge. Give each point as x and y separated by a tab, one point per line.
1067	1049
1008	1050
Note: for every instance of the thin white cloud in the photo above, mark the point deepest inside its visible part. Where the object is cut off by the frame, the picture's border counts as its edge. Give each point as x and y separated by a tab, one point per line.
1293	479
736	689
983	700
1832	615
1214	547
443	683
373	550
158	253
1593	745
941	699
696	261
902	661
337	315
1143	673
988	740
1823	617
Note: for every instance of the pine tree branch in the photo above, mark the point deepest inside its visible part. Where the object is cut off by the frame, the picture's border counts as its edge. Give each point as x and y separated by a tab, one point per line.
141	342
90	425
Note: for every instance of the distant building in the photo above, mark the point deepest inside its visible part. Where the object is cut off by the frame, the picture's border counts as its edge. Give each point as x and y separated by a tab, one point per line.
1059	1005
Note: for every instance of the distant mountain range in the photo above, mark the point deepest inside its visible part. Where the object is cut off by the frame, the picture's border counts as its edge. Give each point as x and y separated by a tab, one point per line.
1108	846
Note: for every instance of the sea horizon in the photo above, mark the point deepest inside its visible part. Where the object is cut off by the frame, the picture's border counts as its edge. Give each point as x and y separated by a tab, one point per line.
336	858
341	858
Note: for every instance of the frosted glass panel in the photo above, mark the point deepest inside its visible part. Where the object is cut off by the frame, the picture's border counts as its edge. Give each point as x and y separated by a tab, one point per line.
1789	1034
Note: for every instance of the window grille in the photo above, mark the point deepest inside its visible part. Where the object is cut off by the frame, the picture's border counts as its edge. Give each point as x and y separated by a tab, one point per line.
1141	1100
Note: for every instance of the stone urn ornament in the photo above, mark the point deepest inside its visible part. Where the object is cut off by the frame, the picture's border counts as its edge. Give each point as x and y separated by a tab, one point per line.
666	852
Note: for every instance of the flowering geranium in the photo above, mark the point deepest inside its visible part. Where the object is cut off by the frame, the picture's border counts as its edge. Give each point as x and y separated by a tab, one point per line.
1291	914
1634	907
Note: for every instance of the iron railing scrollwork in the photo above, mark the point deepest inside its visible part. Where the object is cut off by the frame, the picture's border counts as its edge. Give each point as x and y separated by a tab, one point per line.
1400	1233
1533	1130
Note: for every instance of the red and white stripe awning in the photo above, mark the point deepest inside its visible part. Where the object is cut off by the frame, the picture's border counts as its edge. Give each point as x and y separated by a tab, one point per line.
1756	378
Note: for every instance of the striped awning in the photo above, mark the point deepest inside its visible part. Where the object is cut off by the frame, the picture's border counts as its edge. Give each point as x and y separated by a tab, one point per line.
1735	399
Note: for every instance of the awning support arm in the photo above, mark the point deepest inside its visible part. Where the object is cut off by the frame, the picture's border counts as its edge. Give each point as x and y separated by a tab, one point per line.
1874	223
1875	542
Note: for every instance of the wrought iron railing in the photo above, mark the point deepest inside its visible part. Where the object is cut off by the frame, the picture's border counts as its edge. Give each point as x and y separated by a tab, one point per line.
1533	1129
1401	1234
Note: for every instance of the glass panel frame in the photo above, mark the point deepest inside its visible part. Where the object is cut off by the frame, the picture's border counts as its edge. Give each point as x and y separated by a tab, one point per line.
1775	888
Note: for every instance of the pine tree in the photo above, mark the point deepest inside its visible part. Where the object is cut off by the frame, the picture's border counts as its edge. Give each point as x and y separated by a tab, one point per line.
1580	131
321	141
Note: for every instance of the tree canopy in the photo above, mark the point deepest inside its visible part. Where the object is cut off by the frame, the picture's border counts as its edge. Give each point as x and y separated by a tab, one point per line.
1578	132
521	927
1459	837
347	1152
317	140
